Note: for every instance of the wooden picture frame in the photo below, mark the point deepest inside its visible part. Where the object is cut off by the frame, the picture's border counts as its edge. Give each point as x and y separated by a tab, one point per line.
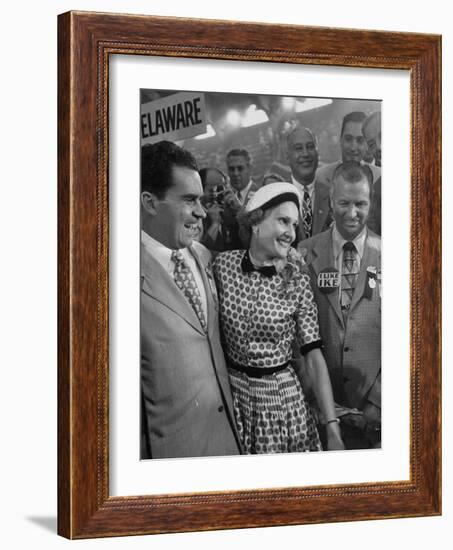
85	41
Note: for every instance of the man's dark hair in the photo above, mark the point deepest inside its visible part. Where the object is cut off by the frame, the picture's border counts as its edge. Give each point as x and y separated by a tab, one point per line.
355	116
353	172
158	160
240	153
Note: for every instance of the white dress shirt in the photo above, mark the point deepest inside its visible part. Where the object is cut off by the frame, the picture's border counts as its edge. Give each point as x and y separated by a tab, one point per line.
242	194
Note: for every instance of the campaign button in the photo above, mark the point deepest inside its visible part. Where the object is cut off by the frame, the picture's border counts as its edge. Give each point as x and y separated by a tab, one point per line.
328	280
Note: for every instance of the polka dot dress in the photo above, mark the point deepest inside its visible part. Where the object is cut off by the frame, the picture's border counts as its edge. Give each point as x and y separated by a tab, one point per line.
259	322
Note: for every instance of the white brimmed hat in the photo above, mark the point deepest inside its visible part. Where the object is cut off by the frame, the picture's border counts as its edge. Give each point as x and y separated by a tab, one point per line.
273	194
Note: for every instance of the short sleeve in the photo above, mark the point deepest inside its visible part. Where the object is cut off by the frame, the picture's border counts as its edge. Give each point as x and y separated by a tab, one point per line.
308	336
219	266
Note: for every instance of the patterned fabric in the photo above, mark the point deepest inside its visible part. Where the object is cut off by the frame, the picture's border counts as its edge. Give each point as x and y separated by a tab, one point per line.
307	213
350	272
185	281
259	322
272	415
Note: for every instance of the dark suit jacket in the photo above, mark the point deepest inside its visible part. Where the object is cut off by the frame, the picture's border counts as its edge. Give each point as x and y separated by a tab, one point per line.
186	399
352	350
374	221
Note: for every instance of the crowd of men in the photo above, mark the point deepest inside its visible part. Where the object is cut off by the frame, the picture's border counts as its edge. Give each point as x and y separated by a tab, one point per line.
186	409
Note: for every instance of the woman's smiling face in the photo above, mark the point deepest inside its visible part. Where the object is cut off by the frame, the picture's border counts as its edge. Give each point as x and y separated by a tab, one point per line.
273	236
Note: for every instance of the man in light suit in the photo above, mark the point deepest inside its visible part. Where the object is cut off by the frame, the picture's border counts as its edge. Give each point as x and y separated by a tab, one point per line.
302	154
345	269
186	399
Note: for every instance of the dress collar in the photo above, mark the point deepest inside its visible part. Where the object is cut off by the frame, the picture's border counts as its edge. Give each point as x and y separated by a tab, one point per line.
247	266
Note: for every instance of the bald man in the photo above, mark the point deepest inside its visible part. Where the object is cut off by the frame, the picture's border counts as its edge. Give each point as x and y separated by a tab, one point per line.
302	155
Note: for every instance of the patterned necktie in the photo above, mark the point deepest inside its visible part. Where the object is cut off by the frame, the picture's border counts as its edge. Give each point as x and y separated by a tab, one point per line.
185	281
349	274
307	213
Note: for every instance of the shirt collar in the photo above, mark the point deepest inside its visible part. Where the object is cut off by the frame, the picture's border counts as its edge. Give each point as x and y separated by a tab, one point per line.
243	192
339	241
159	251
301	188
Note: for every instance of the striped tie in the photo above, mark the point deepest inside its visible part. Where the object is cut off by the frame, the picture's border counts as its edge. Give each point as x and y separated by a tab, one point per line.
307	214
349	276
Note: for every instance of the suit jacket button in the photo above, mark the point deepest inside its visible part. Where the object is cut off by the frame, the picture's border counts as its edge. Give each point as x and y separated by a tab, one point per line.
347	348
220	409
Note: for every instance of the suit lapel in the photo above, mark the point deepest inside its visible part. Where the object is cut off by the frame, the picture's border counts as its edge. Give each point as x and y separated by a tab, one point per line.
301	230
158	284
211	307
323	257
370	258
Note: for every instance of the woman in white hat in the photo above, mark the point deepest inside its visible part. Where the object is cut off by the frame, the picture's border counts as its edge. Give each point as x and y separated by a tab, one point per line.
266	306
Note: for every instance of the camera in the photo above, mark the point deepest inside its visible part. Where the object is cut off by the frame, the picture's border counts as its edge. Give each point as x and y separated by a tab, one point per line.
214	196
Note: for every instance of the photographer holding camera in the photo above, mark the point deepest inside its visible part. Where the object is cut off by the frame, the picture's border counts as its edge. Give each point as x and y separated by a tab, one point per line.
220	231
222	200
215	235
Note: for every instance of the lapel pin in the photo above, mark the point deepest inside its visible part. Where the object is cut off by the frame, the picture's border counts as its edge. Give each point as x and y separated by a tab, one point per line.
371	275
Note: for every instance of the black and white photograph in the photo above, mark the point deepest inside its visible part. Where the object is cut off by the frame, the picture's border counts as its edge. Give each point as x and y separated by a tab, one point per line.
260	274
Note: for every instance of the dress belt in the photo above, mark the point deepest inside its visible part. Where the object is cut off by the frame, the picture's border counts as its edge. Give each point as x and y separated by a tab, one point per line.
258	372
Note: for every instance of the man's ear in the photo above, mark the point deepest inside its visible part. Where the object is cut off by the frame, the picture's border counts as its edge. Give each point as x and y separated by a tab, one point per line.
331	201
149	202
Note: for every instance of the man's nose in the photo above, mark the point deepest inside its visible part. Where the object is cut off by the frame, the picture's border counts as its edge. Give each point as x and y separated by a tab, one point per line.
352	211
199	211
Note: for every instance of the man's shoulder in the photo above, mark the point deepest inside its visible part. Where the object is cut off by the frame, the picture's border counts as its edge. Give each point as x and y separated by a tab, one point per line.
315	246
322	186
312	242
147	261
324	173
376	172
373	241
253	189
